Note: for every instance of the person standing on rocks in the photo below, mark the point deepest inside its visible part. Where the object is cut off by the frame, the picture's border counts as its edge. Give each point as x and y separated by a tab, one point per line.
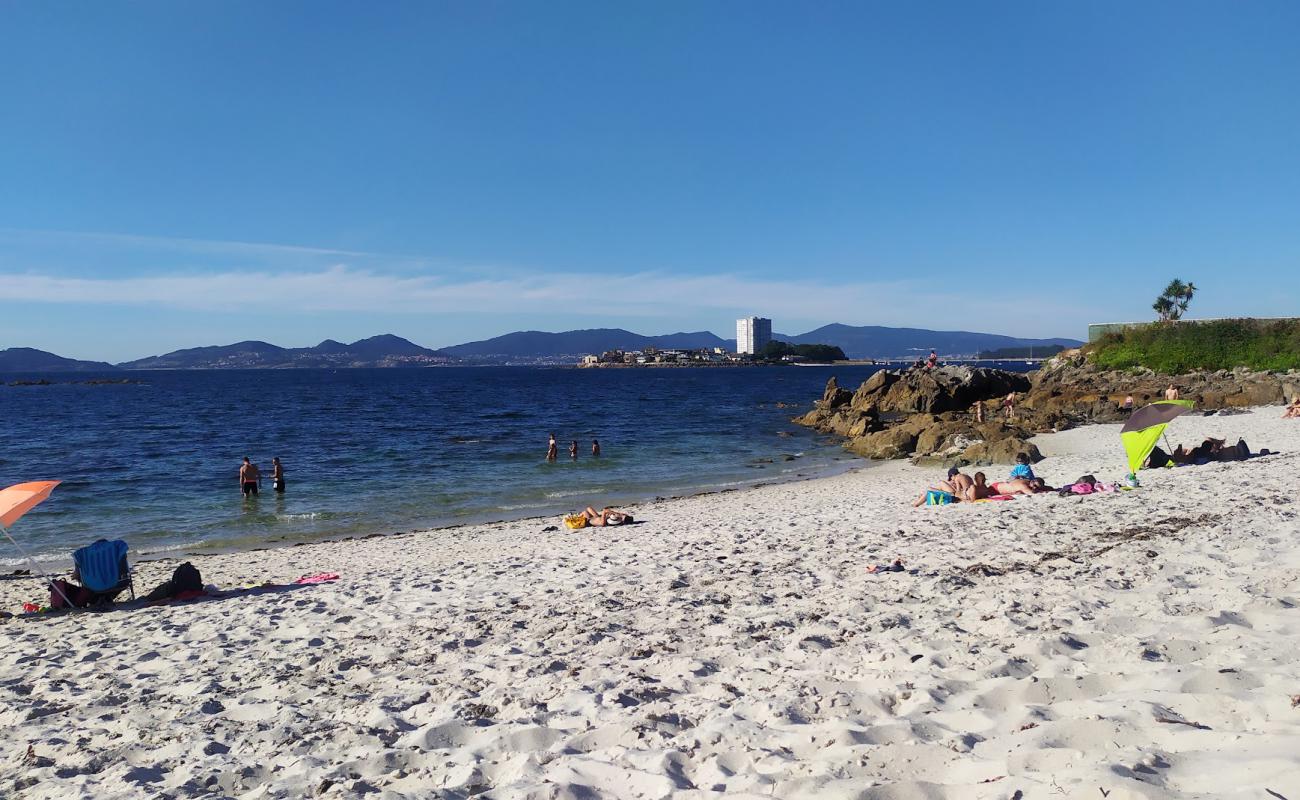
1127	405
1009	406
978	408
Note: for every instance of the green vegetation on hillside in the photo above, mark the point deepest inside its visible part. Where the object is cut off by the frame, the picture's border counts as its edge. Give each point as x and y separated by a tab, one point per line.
1042	351
774	350
1175	347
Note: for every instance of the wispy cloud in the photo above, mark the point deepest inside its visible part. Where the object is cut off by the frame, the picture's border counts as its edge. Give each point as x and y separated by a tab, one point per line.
166	243
222	276
611	297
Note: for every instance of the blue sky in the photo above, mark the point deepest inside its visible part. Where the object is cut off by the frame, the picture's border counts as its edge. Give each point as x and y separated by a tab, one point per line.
177	174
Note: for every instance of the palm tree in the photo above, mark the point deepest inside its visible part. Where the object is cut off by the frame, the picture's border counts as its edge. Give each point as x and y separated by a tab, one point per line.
1174	301
1185	297
1164	307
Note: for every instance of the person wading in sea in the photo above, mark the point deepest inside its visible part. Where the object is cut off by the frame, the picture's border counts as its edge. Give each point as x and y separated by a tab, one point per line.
573	450
249	475
595	447
277	474
552	449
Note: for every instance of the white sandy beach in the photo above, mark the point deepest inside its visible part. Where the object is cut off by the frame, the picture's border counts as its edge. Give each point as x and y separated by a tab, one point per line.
1137	645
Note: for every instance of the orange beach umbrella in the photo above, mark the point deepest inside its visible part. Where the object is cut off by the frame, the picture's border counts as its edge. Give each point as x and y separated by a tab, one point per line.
21	498
18	500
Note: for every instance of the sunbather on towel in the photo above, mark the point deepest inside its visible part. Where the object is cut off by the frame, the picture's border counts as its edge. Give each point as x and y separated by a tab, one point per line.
1021	486
607	516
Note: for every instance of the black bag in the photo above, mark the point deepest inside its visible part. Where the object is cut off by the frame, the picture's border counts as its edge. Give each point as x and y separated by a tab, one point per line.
185	578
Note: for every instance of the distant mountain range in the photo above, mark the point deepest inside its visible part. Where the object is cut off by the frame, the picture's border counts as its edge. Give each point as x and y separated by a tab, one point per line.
540	344
377	351
858	342
872	341
524	347
26	359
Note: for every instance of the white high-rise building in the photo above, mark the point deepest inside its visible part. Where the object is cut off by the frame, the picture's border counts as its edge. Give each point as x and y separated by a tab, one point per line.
752	334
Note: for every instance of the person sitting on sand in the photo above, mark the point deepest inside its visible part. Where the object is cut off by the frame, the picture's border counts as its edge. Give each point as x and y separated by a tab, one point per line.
1171	393
607	516
1022	468
941	493
960	483
978	489
1021	486
1292	411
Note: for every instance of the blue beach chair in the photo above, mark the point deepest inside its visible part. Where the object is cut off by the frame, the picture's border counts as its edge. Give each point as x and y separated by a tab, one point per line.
102	568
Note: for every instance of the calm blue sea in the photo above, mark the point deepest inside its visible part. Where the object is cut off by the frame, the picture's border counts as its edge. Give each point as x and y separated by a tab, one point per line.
380	451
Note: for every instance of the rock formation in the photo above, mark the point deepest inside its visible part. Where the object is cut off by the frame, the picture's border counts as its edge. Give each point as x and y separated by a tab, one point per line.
928	414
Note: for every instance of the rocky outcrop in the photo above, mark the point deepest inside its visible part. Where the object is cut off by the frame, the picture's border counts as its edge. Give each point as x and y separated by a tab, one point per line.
933	391
929	414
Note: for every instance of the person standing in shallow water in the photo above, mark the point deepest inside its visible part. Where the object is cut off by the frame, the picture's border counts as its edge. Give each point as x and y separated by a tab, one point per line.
573	450
277	475
552	449
595	448
249	475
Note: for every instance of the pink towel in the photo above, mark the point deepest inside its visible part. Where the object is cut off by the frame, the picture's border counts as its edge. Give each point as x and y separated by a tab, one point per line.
320	577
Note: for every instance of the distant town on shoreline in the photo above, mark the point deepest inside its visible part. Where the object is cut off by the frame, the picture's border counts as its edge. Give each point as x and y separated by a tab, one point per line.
540	348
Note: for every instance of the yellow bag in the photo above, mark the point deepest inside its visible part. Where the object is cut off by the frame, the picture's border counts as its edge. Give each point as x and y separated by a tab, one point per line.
576	521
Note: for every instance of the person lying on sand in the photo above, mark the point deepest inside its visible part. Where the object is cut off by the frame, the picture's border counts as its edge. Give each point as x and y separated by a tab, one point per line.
1021	486
607	516
895	566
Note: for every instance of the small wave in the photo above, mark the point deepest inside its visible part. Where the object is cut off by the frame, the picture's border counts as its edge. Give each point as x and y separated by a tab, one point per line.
307	515
168	548
579	492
